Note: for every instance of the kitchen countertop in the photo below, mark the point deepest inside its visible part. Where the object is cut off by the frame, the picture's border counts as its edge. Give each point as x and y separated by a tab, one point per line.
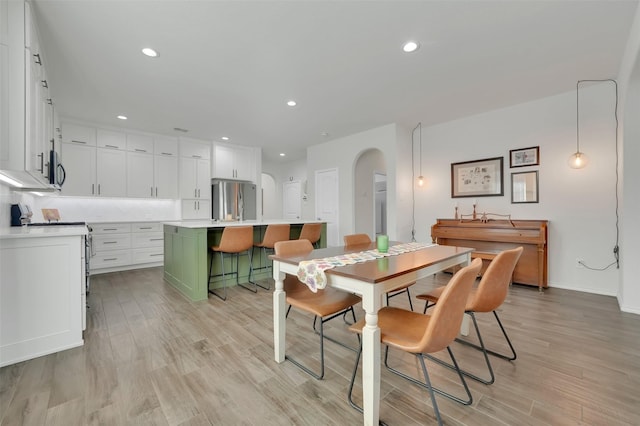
15	232
195	224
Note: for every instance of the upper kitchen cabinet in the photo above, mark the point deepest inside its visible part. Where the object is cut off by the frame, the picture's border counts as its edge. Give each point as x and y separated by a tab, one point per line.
152	167
195	179
82	135
111	139
233	162
23	96
79	154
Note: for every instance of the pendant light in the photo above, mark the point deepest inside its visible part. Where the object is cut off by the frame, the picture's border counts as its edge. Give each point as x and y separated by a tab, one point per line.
578	160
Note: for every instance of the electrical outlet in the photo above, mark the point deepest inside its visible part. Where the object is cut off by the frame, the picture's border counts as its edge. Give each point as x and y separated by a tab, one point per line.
579	263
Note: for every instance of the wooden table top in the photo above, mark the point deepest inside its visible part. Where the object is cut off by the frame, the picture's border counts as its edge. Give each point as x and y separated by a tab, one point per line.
382	269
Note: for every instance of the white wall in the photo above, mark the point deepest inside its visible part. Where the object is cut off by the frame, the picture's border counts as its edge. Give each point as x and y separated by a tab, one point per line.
394	142
281	172
580	204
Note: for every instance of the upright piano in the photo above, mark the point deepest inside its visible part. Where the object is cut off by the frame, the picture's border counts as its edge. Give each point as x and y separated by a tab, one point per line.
489	237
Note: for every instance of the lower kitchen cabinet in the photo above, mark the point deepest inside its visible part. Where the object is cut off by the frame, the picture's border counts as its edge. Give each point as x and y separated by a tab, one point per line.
122	246
186	268
41	295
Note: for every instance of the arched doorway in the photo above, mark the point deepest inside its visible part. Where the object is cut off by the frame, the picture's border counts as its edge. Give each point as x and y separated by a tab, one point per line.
370	193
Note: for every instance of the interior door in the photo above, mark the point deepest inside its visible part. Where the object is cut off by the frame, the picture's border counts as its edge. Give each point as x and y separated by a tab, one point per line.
327	202
291	193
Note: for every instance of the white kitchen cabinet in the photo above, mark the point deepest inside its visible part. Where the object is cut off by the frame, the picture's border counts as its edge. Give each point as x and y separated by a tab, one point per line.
196	209
80	166
40	307
195	179
233	162
139	143
111	176
78	134
140	174
111	139
165	169
122	246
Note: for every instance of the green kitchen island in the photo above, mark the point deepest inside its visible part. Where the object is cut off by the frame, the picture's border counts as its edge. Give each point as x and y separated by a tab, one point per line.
187	254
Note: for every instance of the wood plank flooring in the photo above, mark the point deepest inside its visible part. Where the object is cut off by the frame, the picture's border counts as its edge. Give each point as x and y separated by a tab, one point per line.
153	358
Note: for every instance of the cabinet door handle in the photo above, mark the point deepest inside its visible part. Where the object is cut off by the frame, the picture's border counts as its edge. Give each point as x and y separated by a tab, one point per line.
109	229
112	146
156	254
45	84
98	189
166	153
151	191
41	169
75	141
156	239
196	156
156	191
37	58
140	150
111	259
198	192
93	188
109	242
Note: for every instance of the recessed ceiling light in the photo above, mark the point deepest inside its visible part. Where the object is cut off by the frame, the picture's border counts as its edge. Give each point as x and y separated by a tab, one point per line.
410	46
291	103
225	138
282	154
122	117
324	134
150	52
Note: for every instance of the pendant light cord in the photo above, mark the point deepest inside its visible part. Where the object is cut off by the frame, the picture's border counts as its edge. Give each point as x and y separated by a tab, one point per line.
413	183
616	247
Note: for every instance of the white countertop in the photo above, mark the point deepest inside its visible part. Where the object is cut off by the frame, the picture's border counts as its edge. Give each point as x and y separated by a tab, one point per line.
42	231
195	224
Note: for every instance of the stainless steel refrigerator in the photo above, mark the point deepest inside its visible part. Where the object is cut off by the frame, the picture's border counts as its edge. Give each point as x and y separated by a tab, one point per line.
233	200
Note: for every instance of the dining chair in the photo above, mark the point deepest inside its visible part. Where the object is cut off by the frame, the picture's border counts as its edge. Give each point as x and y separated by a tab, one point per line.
362	239
422	334
326	304
311	232
273	234
487	297
234	240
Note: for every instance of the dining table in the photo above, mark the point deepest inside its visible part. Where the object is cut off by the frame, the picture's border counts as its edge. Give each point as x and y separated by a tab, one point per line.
371	280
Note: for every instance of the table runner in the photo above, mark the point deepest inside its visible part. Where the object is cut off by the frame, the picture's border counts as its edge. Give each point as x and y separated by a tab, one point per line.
311	272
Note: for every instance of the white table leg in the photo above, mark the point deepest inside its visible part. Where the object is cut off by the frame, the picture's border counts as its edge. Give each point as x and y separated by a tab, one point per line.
279	313
371	361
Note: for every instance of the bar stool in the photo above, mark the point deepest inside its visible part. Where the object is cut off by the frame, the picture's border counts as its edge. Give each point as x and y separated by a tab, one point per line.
311	232
234	240
272	235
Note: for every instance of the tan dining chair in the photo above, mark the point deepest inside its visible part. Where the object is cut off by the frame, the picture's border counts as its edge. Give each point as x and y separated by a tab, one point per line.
326	304
422	334
234	240
354	240
487	297
273	234
311	232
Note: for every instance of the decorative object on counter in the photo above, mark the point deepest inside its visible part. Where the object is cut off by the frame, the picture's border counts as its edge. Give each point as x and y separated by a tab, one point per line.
20	214
482	178
475	202
51	214
485	217
456	214
524	157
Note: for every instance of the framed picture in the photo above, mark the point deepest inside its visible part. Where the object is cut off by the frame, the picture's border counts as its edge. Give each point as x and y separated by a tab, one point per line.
479	178
524	187
524	157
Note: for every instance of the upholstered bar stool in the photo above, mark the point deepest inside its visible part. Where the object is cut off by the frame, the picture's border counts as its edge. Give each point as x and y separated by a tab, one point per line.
272	235
361	239
234	240
311	232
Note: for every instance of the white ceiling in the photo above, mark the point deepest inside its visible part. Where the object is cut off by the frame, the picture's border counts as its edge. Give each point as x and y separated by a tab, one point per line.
228	67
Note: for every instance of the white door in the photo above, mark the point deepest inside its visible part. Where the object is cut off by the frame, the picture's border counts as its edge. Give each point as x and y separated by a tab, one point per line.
327	199
291	193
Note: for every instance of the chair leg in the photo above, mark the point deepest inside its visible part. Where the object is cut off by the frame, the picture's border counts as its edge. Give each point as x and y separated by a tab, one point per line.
469	399
430	388
353	380
224	279
482	348
307	369
406	290
251	268
255	286
343	313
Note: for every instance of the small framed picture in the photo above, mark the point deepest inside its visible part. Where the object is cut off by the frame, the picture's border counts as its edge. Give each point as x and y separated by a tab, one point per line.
524	157
524	187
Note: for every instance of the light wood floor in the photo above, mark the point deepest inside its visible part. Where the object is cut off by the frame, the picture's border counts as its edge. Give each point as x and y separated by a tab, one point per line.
152	357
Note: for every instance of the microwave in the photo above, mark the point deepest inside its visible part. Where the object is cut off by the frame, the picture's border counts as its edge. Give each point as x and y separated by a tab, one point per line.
57	174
